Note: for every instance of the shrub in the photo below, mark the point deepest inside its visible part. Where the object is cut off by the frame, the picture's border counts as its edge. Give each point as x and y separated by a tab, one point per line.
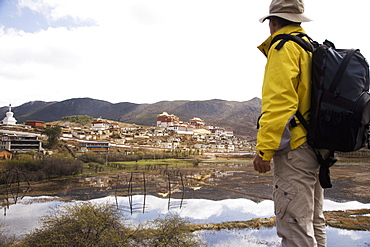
81	119
88	224
92	157
80	224
58	167
171	231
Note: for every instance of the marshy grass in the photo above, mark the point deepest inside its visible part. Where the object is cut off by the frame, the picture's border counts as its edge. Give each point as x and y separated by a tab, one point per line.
358	220
349	219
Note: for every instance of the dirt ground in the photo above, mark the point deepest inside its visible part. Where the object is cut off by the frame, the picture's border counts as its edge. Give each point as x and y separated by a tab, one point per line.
350	183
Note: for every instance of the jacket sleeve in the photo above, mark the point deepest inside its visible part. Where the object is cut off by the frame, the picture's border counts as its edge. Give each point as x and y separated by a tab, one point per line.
279	99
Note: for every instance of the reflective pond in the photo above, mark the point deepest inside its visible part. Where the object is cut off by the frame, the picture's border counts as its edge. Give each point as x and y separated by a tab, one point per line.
23	217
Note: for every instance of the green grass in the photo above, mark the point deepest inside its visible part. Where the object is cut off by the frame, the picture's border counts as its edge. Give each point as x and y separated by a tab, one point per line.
141	165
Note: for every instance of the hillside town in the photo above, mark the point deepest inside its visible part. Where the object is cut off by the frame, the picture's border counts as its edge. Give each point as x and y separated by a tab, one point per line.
102	135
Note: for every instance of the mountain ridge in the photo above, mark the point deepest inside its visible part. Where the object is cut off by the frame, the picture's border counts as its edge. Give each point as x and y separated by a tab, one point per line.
238	116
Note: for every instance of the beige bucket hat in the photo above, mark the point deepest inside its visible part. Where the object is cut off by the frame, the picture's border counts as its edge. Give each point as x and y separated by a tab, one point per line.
291	10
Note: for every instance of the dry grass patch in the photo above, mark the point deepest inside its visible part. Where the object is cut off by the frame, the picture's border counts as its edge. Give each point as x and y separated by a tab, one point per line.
349	219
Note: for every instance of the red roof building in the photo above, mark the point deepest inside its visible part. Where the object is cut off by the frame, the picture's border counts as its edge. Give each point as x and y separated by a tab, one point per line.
165	120
35	124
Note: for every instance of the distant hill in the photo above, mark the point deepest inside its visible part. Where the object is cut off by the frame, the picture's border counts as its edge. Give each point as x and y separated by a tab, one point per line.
239	116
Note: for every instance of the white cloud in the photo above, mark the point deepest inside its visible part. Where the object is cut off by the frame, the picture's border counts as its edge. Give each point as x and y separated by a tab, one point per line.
145	51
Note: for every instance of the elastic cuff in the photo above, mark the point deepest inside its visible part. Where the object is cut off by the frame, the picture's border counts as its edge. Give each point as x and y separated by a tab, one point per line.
266	155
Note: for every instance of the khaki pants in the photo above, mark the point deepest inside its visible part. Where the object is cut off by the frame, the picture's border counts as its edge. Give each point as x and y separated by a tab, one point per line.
298	198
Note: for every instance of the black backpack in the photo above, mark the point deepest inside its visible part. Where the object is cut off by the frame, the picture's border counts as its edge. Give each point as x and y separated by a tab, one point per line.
340	100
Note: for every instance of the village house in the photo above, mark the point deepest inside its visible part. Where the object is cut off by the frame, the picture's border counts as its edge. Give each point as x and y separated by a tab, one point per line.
113	125
141	134
20	144
169	145
166	120
103	135
94	146
230	148
66	132
5	154
201	132
218	148
202	147
128	129
78	133
35	124
100	124
198	123
182	129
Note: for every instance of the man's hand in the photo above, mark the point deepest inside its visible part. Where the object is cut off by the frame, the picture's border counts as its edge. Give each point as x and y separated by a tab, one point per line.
260	165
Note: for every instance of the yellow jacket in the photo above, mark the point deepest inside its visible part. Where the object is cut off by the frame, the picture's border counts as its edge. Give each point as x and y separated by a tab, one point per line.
286	88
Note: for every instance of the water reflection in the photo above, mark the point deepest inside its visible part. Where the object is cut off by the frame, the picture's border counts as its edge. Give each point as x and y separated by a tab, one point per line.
241	237
23	216
267	237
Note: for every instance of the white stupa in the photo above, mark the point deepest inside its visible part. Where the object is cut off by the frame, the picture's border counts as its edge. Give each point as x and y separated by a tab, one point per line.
9	119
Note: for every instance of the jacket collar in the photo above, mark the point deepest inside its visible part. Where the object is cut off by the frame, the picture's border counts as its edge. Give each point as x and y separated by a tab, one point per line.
265	46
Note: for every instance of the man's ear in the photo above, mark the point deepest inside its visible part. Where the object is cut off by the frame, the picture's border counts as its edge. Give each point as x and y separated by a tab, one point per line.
274	22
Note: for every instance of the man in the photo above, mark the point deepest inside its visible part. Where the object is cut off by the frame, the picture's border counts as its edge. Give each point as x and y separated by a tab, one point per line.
297	194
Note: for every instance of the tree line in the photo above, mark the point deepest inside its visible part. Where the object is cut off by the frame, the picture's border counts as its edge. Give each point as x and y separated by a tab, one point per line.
26	168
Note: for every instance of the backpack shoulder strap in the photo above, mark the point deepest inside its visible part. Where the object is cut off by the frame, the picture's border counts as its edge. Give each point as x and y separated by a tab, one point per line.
341	69
296	38
325	164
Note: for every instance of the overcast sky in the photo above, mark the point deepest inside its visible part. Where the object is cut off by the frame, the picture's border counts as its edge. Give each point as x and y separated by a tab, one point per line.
145	51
